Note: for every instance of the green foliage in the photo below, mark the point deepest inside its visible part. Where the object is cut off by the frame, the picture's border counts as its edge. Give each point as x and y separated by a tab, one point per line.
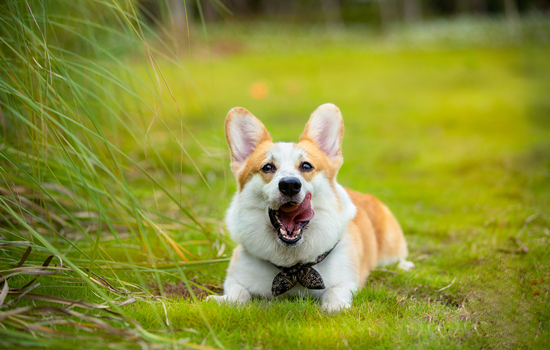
69	188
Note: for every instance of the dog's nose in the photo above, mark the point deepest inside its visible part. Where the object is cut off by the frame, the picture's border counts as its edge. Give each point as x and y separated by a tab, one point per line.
290	186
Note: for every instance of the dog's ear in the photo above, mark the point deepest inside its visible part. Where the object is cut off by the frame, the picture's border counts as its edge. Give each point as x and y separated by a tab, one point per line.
325	128
244	132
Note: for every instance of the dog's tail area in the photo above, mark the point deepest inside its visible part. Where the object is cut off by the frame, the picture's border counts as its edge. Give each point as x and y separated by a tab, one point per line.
392	246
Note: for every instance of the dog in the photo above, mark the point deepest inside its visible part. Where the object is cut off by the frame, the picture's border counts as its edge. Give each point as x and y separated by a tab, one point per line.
298	231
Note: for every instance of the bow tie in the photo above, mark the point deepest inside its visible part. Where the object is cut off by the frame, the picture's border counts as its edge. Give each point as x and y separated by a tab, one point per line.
304	274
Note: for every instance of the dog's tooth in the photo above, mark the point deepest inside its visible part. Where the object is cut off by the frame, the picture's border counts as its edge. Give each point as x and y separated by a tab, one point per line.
282	231
298	231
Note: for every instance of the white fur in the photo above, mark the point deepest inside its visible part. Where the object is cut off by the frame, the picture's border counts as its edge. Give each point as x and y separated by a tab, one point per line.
248	219
249	275
248	223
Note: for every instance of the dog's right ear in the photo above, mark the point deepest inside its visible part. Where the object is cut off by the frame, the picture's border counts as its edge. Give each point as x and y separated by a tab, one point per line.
325	128
244	132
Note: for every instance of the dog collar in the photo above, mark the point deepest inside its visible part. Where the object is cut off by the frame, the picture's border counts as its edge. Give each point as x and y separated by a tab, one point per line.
304	274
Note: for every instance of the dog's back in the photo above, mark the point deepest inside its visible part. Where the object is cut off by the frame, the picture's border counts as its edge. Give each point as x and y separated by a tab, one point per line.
377	235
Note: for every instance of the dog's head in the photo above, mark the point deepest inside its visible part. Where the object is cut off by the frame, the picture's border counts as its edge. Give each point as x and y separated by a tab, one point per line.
286	181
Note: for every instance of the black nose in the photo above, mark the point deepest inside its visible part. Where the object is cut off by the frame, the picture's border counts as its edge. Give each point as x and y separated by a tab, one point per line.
290	186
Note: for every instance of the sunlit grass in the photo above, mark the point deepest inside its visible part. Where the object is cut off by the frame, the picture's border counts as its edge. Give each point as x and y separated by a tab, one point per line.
450	140
114	159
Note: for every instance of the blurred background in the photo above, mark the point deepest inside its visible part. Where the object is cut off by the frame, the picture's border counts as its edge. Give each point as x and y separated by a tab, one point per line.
375	13
114	169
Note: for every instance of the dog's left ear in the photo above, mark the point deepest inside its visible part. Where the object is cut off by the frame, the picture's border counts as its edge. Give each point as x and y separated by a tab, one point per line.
325	128
244	132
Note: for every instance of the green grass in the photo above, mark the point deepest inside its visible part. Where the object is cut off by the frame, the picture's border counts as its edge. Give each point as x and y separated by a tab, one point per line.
456	143
454	138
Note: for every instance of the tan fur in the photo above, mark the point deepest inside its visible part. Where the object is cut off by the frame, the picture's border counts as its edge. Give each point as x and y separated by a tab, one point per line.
254	164
376	234
320	162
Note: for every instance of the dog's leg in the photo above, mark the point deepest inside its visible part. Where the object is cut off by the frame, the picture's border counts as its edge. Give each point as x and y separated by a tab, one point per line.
405	265
338	297
234	293
246	275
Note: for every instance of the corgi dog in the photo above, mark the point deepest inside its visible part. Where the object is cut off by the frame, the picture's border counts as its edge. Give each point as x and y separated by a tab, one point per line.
299	231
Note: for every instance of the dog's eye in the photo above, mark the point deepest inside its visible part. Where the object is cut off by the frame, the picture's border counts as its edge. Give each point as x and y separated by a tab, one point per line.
306	166
268	168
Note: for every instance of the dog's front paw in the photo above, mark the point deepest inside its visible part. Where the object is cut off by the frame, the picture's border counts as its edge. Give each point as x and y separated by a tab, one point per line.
333	306
240	299
220	299
405	265
338	298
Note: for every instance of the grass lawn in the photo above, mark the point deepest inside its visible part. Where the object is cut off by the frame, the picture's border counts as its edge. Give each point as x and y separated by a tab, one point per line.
456	141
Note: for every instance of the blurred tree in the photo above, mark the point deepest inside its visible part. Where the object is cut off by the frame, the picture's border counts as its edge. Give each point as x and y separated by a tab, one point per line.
279	8
412	10
181	13
463	6
511	10
335	12
332	10
209	12
242	8
388	13
479	6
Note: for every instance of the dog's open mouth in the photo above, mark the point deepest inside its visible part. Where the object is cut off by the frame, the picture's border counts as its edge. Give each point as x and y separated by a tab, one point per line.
290	220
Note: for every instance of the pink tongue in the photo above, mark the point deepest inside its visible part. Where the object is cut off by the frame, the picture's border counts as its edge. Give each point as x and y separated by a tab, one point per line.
292	214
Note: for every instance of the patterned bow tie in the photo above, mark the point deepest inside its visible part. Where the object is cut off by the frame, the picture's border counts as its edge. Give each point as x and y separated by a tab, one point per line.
304	274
